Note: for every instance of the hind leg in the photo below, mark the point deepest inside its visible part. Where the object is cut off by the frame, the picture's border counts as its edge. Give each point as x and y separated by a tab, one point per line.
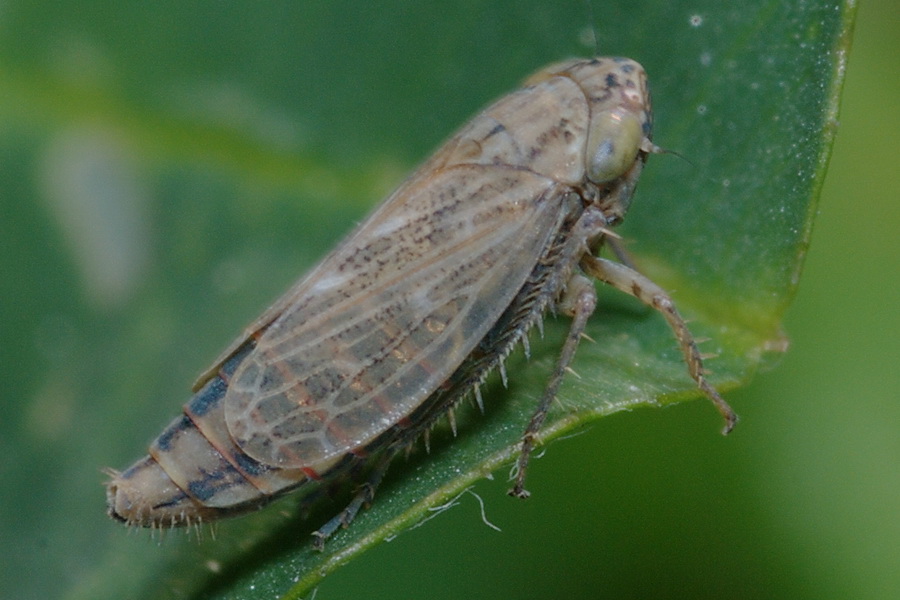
364	496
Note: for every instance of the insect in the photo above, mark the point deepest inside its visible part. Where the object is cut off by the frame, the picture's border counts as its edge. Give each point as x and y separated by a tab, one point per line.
412	311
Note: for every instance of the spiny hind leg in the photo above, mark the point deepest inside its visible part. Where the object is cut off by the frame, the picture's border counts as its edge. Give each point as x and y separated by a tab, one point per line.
363	497
631	282
579	301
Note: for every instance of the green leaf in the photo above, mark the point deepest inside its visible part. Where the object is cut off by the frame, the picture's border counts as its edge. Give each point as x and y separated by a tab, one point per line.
172	168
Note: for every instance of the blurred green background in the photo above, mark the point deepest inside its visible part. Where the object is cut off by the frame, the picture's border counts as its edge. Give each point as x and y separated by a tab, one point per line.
803	501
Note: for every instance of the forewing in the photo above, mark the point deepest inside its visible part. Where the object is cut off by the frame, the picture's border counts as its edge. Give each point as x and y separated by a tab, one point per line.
541	128
386	319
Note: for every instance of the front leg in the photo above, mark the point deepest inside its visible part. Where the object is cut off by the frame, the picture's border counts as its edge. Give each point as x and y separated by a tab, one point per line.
631	282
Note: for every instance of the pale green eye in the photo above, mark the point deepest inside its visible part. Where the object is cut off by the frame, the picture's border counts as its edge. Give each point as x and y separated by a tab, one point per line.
613	143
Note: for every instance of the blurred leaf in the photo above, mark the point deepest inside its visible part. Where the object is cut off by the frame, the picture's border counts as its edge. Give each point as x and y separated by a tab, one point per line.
178	165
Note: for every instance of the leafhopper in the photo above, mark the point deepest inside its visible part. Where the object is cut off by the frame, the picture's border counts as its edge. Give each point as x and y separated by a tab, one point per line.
412	311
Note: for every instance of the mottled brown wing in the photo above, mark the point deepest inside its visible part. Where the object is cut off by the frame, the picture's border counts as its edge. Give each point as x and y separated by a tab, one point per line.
387	318
542	128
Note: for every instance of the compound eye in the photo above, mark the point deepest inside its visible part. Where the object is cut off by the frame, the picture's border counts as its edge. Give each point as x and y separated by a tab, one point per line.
613	144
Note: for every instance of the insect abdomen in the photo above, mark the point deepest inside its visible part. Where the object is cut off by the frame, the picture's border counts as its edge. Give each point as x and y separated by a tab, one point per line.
194	471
